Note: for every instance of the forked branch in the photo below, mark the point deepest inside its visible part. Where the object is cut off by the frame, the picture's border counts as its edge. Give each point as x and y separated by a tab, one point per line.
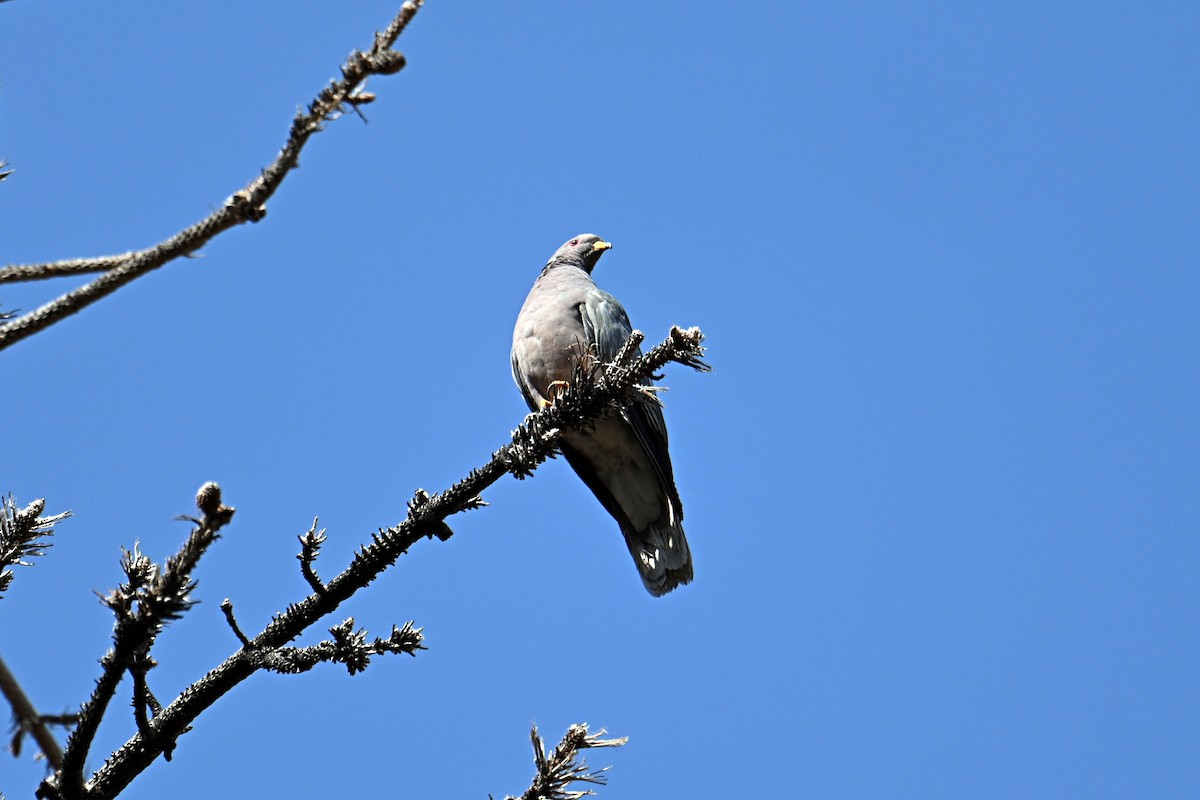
245	205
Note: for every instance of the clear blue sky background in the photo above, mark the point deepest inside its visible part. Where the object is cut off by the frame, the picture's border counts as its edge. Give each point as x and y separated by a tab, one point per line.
941	486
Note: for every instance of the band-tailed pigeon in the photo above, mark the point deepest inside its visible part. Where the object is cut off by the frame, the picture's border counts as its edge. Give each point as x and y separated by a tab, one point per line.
623	459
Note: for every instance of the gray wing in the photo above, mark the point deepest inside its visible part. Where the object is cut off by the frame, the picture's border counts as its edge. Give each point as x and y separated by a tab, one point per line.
607	326
605	323
522	384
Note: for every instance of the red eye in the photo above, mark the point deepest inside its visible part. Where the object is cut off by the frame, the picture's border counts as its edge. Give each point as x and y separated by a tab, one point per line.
574	242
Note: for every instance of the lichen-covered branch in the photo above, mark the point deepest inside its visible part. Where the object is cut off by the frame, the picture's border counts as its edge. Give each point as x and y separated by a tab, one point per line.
606	391
245	205
566	766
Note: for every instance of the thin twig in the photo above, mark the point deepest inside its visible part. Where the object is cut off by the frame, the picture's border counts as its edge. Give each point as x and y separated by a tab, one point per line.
14	273
310	548
348	646
142	711
227	609
246	205
28	718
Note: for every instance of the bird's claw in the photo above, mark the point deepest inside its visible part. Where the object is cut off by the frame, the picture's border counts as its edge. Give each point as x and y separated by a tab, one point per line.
555	390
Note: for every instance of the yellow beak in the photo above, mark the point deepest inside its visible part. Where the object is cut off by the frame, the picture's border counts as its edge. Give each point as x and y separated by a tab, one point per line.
601	246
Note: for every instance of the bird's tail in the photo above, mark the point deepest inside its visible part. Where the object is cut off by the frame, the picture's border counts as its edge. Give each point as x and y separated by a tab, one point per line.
661	554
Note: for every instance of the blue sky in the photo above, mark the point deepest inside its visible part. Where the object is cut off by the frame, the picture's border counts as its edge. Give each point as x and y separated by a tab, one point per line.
941	486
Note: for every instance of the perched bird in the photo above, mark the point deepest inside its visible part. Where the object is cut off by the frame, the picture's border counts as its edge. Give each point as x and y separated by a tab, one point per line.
623	459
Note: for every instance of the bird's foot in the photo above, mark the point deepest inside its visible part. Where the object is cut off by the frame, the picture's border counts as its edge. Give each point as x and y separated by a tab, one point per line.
556	389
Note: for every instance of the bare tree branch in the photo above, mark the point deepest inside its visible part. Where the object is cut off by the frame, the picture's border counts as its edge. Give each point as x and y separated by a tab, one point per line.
557	771
310	548
348	646
227	609
26	719
147	601
603	391
245	205
15	273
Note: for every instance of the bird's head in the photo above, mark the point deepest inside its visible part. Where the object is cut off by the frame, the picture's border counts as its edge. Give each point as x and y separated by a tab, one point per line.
583	251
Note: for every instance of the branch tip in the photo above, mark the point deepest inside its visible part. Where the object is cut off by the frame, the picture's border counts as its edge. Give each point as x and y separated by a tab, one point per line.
22	532
558	770
208	500
227	609
310	548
